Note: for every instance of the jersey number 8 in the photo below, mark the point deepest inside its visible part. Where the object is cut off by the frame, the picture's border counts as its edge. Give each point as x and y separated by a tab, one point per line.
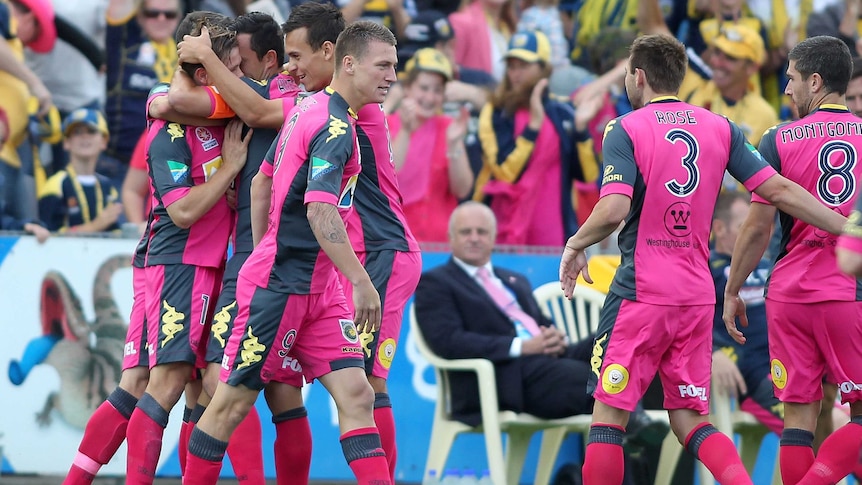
843	171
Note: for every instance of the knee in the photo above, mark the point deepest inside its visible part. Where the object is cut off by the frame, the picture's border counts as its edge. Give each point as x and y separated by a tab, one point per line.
359	397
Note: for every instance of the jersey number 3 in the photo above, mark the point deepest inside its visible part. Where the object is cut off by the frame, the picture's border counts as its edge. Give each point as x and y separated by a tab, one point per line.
689	163
843	171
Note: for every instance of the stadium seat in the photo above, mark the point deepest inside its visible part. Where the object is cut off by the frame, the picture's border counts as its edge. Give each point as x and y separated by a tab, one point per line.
519	427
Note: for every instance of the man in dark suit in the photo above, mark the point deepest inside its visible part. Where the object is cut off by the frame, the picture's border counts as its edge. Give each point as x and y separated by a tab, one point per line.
537	371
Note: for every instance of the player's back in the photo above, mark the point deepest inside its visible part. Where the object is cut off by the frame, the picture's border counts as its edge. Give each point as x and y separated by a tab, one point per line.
820	152
670	157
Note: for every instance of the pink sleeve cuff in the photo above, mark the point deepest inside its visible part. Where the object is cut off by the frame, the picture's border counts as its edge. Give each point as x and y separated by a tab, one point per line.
266	168
617	188
320	196
175	195
757	180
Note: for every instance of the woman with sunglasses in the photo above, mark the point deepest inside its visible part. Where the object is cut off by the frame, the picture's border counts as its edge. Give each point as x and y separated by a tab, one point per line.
140	52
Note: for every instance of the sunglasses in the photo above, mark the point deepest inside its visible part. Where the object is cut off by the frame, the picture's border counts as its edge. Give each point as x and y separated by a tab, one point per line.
154	13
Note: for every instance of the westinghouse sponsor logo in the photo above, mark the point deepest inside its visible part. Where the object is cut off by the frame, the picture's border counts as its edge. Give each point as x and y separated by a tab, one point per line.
668	243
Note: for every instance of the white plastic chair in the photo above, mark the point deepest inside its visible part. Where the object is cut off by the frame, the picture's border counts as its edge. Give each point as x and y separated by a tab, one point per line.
519	426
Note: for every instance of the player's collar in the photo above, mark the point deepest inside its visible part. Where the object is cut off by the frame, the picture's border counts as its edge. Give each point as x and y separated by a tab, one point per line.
663	99
334	94
838	108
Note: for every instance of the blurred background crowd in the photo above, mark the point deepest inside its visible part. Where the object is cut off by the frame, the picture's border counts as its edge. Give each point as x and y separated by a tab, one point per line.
499	101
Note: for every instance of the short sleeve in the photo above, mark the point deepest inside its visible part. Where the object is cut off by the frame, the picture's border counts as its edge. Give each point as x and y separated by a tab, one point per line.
170	163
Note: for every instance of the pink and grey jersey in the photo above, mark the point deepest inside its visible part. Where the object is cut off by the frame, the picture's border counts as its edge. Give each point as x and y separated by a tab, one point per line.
377	222
278	87
314	160
821	153
669	157
181	157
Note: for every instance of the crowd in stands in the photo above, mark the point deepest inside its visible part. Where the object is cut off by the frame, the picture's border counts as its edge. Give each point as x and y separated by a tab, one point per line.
500	101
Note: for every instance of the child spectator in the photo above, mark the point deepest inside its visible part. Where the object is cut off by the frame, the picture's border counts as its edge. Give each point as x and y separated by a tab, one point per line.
77	198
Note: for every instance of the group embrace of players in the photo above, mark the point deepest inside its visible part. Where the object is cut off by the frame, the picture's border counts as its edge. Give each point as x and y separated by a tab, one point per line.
323	262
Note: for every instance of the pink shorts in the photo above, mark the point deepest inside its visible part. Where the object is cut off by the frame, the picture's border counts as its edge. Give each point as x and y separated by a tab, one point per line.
285	337
635	340
180	300
810	340
135	352
395	275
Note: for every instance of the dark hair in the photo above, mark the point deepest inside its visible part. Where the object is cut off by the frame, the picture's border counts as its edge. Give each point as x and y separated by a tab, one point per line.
219	26
265	33
828	56
663	60
323	21
354	40
724	204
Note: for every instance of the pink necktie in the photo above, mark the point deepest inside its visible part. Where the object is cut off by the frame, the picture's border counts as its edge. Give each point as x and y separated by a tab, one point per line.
507	303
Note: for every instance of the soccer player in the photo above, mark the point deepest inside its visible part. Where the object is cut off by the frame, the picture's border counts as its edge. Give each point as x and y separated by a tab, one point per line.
291	305
190	170
813	310
663	166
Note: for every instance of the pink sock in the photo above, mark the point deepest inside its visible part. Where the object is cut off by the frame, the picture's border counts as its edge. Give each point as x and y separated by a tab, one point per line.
103	435
837	456
292	447
604	463
365	456
245	451
385	422
144	436
718	453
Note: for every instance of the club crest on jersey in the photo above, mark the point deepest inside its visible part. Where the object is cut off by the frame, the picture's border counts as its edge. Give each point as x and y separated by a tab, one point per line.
320	167
348	330
179	170
336	128
205	136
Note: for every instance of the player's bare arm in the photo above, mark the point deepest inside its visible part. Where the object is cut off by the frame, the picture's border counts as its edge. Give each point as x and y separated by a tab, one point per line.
201	198
792	199
606	217
329	230
253	109
185	103
750	245
261	193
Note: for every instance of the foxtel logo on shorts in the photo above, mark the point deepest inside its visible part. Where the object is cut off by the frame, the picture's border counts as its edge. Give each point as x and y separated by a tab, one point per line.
692	391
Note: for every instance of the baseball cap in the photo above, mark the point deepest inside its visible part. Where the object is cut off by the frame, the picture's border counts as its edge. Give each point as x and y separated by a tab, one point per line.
89	117
430	60
43	11
530	47
740	42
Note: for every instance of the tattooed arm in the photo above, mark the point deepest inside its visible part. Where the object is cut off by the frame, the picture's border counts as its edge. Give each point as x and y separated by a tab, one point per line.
331	234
